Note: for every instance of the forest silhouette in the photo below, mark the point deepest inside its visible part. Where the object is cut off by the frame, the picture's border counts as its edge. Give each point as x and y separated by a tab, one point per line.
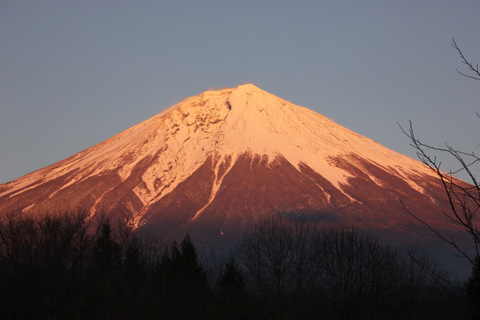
66	266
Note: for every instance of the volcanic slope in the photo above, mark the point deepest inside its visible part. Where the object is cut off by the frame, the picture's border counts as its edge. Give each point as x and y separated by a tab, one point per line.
214	163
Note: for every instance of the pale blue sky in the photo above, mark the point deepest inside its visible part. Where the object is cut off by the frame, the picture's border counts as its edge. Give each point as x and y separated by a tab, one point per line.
74	73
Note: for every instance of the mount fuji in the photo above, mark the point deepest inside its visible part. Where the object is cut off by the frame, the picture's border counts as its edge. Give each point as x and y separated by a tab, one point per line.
215	163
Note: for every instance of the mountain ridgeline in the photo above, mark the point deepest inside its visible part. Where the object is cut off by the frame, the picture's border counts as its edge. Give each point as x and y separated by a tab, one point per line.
215	163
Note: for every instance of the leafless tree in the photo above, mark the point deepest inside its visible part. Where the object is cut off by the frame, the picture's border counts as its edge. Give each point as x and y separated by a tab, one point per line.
365	277
358	269
464	198
294	269
279	260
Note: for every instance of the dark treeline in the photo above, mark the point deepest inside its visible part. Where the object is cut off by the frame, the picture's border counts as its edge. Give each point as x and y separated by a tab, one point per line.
67	267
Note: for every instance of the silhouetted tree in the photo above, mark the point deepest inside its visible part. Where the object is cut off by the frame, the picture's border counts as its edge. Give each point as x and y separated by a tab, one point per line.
231	280
365	277
182	282
42	264
358	270
231	299
473	288
62	267
295	271
464	198
278	257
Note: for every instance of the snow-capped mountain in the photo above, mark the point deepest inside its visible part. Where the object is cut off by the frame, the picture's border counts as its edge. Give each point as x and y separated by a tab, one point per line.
214	163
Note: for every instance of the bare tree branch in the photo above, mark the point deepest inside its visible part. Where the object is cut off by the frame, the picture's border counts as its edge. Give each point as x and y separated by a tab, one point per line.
463	198
471	67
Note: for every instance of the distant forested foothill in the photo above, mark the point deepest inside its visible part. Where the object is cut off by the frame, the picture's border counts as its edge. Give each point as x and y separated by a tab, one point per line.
66	266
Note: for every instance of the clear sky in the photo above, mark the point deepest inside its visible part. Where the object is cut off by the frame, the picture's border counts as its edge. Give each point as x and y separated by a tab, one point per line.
74	73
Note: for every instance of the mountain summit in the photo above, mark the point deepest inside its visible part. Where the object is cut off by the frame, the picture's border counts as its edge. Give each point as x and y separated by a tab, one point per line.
214	163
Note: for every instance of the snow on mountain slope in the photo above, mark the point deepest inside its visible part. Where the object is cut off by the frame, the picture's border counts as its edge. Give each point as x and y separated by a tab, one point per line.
181	164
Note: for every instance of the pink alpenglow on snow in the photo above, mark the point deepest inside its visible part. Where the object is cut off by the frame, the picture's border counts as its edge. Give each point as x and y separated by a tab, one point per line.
216	162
